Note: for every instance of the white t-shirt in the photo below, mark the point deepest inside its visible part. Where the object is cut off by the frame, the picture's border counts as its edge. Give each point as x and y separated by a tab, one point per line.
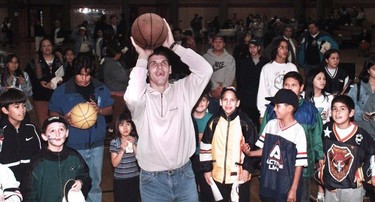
270	81
323	104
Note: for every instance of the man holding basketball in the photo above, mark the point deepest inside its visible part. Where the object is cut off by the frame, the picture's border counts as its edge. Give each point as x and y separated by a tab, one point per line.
162	113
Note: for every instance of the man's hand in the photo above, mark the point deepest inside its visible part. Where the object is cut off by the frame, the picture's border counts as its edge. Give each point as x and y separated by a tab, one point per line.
169	40
143	53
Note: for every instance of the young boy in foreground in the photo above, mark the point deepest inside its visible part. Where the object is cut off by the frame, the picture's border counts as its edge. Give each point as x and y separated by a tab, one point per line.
283	151
346	147
55	165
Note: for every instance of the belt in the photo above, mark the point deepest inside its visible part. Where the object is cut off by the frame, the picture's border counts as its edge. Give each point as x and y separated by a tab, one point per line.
169	172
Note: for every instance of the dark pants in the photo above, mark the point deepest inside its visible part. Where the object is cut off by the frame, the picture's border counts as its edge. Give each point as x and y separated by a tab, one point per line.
244	191
126	190
204	190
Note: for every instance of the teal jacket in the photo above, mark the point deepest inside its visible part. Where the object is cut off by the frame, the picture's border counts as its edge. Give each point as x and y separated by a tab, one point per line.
49	171
309	118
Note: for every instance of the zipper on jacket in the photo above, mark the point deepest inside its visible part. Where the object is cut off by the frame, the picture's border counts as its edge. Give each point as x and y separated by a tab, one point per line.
161	104
226	150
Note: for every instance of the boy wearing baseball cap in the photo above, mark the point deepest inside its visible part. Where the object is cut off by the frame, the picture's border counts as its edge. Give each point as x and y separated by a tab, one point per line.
59	163
283	150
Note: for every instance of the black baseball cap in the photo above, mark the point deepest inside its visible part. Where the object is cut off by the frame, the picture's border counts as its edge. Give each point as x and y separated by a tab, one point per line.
285	96
230	88
218	36
52	120
254	42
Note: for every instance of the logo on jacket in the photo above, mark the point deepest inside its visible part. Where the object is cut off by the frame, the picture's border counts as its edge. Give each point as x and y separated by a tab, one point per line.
274	159
340	160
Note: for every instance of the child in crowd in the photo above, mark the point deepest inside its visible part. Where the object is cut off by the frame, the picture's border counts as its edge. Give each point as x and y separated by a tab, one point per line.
221	156
55	165
13	77
272	74
20	139
68	64
283	151
337	78
123	149
346	148
201	116
247	77
314	92
362	94
309	118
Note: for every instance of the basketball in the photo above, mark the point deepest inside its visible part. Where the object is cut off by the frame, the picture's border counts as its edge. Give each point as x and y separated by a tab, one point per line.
83	116
149	31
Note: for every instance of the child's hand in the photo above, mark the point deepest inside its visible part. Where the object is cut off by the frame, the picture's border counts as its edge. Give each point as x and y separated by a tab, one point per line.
245	148
124	144
207	176
21	80
367	116
373	181
291	196
77	185
130	139
245	176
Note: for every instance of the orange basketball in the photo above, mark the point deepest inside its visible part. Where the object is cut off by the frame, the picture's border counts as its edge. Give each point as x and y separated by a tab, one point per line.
149	31
83	116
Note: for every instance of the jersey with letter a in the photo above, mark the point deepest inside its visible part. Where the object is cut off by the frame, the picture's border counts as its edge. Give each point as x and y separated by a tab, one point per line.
283	150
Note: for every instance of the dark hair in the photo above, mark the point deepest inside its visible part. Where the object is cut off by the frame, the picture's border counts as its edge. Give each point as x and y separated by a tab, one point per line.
160	51
40	45
275	45
288	26
364	75
12	96
113	16
82	62
330	52
313	22
295	75
177	29
68	49
346	100
6	73
309	84
125	116
205	94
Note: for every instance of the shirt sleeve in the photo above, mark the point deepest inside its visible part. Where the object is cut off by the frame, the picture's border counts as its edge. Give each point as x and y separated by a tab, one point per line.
300	141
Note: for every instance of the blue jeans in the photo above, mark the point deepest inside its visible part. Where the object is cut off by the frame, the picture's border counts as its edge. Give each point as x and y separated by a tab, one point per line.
94	160
173	185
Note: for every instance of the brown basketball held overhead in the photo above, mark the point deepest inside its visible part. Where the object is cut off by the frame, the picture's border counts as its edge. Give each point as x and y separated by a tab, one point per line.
149	31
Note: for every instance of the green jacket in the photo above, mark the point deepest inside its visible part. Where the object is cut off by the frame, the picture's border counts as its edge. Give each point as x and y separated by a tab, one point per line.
309	118
50	171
